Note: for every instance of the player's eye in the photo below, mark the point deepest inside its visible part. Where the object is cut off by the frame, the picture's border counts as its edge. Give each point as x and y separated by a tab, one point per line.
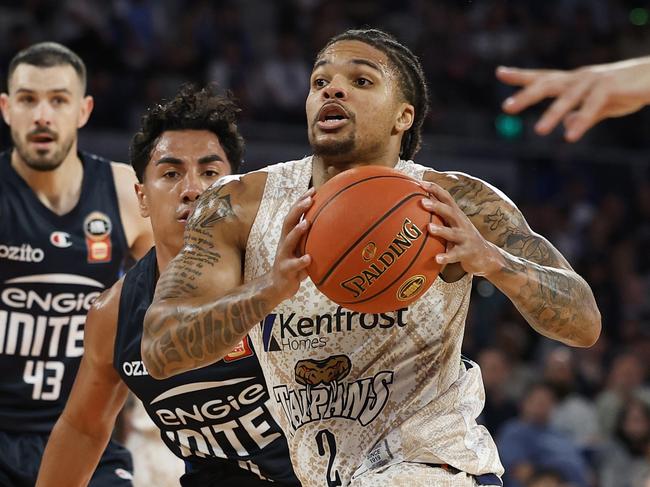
363	82
211	173
171	174
319	83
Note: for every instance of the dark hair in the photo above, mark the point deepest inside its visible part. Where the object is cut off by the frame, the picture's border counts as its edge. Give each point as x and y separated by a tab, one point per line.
47	55
412	81
190	109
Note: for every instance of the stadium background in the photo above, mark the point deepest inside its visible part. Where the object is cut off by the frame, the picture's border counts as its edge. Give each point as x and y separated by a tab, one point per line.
591	199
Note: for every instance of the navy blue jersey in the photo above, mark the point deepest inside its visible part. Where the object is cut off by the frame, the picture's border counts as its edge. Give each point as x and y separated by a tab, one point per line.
51	269
216	414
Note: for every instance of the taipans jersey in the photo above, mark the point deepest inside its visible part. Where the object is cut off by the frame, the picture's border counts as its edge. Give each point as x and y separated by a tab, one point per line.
362	391
51	269
218	413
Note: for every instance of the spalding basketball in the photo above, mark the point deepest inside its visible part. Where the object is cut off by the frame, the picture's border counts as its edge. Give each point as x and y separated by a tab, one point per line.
368	239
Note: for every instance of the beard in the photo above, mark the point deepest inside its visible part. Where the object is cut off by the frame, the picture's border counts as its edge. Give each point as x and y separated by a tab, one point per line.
41	160
334	148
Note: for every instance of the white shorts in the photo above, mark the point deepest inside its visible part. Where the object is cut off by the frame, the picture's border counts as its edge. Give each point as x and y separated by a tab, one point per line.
406	474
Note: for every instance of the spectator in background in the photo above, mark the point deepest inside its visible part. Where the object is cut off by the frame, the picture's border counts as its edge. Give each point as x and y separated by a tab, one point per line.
285	81
529	442
573	413
624	383
499	404
625	460
546	478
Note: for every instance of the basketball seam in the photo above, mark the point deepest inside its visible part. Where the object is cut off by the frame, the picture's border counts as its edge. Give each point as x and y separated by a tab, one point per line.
329	200
384	216
398	277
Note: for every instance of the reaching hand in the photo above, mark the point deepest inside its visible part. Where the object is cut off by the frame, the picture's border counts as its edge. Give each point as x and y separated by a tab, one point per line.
583	96
289	268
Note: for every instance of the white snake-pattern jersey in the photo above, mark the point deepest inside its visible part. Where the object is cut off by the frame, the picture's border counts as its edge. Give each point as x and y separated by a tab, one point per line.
359	392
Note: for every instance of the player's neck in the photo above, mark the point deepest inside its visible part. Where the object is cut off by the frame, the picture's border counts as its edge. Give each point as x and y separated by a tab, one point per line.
324	168
59	189
164	254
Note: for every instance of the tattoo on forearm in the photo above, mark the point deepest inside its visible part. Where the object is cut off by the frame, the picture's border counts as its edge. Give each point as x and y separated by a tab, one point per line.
550	295
193	335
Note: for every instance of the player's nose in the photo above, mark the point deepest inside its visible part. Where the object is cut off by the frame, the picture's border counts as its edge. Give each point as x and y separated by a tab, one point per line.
335	89
43	114
192	187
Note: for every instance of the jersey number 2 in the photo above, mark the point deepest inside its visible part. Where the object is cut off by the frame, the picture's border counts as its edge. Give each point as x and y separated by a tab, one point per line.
325	437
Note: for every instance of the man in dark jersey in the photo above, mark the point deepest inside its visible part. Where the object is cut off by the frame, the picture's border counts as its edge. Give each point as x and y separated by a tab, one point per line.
68	220
217	418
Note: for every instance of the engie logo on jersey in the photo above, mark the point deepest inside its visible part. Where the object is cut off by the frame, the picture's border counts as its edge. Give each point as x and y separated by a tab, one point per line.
97	228
60	239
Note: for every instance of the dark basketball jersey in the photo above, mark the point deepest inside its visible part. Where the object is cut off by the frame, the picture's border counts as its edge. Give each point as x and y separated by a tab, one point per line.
218	413
51	269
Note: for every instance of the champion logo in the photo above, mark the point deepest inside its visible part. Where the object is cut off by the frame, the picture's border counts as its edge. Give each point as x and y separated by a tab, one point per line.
61	239
123	474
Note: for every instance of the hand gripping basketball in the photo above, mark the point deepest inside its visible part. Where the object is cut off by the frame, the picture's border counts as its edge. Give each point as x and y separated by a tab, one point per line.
289	267
368	240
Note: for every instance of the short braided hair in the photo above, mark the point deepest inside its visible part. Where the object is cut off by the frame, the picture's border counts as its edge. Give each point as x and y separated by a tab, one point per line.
412	81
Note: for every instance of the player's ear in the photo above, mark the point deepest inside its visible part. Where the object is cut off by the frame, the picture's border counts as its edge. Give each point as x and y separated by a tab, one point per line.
4	106
85	109
405	117
142	200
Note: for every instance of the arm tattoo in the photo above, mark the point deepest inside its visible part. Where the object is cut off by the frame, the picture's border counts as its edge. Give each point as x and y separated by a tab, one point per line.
555	300
185	330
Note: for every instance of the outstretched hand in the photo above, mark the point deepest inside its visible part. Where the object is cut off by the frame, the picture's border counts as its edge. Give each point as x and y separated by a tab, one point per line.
583	96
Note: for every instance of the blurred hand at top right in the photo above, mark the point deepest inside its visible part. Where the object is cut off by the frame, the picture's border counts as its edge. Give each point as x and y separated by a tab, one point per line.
583	96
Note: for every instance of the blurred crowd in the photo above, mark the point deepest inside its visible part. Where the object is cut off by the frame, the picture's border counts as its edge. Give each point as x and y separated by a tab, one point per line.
561	416
579	416
140	50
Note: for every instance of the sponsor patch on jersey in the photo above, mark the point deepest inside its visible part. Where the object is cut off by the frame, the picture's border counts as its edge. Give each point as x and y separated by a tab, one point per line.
60	239
21	253
242	350
97	228
296	332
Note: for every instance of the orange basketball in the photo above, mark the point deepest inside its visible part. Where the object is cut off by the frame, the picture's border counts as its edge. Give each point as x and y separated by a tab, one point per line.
370	248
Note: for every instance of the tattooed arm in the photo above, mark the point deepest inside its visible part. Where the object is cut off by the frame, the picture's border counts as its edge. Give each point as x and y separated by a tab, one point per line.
488	236
201	308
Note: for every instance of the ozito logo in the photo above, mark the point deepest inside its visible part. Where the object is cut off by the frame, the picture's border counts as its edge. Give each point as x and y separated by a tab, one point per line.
311	332
22	253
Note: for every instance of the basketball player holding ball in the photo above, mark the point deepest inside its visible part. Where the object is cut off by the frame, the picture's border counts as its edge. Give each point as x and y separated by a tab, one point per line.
365	399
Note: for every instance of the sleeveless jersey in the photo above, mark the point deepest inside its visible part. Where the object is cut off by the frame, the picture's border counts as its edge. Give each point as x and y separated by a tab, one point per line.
218	413
52	267
358	392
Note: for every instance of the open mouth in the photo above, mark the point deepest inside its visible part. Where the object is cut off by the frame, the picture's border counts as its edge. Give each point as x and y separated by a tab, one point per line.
184	215
41	138
332	116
